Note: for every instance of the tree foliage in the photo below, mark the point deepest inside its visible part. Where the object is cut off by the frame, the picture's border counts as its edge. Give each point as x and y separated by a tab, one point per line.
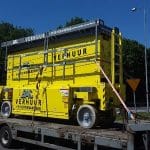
9	32
133	59
73	21
134	67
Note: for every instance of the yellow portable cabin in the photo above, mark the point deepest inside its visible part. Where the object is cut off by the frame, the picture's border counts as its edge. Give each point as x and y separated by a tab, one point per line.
55	74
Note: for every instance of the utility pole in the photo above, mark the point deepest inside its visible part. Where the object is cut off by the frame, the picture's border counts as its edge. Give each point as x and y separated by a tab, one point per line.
145	53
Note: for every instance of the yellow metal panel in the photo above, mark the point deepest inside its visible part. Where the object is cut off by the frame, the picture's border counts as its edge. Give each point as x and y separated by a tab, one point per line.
113	57
58	102
70	65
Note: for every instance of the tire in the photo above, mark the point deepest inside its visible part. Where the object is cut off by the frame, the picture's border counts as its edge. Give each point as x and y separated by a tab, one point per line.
6	137
87	116
6	109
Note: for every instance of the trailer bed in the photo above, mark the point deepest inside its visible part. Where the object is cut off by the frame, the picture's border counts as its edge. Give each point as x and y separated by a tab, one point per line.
62	136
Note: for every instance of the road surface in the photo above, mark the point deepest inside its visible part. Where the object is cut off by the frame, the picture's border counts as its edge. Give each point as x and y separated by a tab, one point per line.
23	147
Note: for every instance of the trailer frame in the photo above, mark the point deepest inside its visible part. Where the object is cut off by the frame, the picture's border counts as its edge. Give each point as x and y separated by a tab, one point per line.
71	137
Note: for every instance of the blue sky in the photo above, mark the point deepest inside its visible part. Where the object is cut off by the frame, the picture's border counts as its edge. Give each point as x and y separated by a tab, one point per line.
43	15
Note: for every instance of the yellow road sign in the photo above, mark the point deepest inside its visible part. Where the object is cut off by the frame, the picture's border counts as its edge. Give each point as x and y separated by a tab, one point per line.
133	83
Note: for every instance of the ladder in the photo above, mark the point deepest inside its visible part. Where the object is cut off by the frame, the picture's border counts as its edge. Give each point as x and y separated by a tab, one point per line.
116	57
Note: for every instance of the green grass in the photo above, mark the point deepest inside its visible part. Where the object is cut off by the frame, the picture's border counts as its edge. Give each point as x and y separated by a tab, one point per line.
143	115
139	115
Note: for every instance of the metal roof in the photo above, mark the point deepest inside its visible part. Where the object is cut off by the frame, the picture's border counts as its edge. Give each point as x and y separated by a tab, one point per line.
62	31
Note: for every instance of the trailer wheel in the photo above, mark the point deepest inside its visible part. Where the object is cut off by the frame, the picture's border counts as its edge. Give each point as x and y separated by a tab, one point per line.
6	109
86	116
6	137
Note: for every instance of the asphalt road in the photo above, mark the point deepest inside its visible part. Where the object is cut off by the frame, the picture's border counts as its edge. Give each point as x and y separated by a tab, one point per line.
17	148
23	147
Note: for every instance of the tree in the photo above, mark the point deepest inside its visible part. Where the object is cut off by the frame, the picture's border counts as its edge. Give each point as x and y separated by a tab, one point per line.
134	67
9	32
73	21
133	59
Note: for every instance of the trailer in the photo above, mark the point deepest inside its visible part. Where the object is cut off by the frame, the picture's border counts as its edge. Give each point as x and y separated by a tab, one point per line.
132	136
74	74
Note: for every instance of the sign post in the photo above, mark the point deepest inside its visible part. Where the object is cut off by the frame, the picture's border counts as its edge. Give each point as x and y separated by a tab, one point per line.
134	101
133	83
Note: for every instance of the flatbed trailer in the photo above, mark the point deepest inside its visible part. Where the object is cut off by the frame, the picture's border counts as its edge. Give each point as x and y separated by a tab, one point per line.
132	136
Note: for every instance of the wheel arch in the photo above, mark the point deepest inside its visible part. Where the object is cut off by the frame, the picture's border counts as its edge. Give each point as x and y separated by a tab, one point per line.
3	124
6	136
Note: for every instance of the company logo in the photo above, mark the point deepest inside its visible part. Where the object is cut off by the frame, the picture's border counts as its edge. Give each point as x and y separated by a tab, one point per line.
27	93
27	102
